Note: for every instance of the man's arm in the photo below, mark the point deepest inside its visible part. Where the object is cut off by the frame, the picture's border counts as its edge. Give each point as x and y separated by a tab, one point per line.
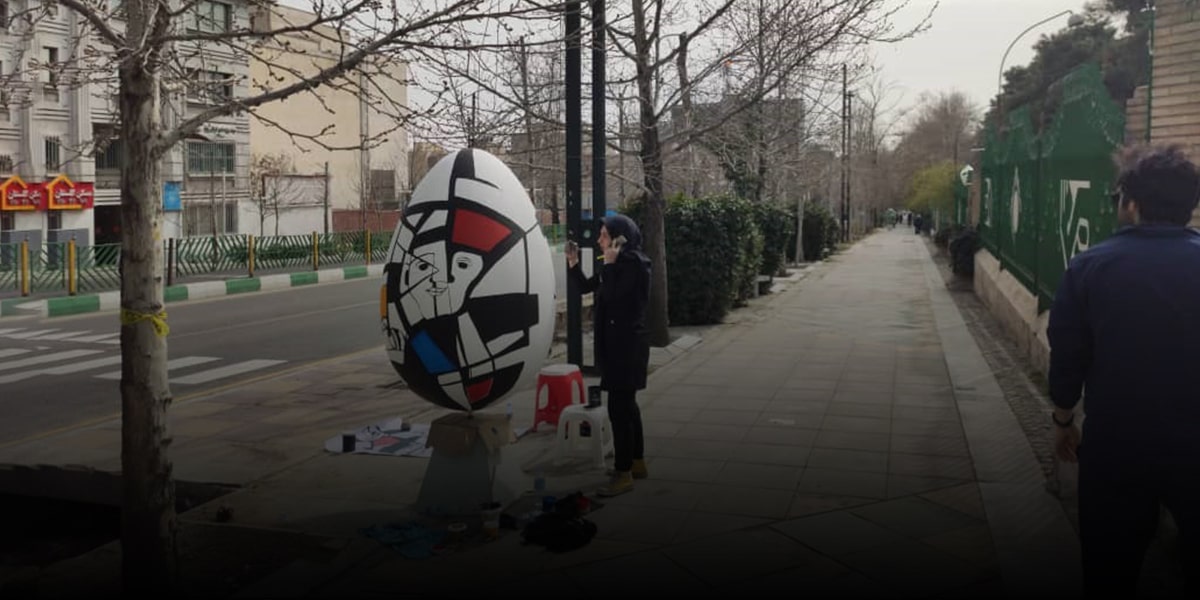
1070	344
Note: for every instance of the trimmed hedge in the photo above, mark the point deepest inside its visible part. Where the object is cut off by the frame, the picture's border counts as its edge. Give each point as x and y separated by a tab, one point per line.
778	227
821	232
711	255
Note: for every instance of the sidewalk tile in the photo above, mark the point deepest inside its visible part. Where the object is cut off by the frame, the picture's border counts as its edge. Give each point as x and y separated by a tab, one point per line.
837	533
923	465
877	442
706	432
741	556
771	454
859	409
936	445
699	525
726	417
669	415
756	475
913	567
848	460
964	498
805	420
638	524
908	485
646	573
843	483
666	468
834	422
746	501
914	517
804	504
787	436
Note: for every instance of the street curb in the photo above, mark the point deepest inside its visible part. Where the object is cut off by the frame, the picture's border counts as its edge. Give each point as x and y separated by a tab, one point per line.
105	301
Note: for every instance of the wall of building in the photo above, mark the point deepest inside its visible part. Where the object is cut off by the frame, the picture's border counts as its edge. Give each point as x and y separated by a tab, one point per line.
78	116
336	115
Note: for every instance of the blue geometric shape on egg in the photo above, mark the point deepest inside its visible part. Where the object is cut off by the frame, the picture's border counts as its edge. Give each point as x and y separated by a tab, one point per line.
467	307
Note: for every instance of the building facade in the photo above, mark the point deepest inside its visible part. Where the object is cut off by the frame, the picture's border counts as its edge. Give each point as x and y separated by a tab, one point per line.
357	139
58	119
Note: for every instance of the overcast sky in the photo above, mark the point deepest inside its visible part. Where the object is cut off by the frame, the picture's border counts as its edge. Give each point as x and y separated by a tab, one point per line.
964	44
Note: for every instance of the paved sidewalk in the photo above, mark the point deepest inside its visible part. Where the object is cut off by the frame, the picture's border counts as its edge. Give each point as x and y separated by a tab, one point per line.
844	439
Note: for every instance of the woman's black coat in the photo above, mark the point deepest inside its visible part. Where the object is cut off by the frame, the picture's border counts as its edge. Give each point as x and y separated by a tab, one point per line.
619	325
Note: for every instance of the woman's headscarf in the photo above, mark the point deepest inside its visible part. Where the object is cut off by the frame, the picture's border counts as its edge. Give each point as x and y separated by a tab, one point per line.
618	225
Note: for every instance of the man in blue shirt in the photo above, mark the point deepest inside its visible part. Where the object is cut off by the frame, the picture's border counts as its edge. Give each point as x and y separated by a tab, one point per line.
1124	338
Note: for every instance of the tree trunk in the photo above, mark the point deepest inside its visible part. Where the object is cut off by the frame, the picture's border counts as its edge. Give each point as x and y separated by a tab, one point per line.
654	237
148	522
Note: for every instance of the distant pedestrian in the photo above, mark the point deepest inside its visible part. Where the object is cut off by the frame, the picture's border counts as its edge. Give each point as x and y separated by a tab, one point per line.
917	223
622	287
1124	338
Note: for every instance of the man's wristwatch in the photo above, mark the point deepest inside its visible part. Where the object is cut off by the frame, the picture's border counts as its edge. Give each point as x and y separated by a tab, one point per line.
1070	421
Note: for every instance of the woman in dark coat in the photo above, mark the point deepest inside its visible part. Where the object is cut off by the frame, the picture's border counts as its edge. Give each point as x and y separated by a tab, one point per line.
622	288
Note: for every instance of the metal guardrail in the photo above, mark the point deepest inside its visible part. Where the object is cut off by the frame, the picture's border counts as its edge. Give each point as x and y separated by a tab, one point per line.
71	267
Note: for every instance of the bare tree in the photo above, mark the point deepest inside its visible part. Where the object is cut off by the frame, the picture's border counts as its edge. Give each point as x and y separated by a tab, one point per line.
794	37
795	40
154	54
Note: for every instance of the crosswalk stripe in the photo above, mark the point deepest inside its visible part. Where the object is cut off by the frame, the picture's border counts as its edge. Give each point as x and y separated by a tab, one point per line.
97	338
178	363
226	371
11	330
47	358
63	370
12	352
28	334
60	336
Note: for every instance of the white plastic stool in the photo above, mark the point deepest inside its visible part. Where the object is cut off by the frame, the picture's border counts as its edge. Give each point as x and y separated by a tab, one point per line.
571	441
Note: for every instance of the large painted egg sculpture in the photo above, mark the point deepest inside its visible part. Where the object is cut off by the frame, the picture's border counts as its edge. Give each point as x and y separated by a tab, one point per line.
468	299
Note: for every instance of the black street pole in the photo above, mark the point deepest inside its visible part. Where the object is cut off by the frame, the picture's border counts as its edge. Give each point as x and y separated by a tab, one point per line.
845	155
574	175
599	188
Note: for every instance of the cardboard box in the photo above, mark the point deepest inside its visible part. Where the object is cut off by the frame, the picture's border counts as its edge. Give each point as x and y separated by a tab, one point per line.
457	433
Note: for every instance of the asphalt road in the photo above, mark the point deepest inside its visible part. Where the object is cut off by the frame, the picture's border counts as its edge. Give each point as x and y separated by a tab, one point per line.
65	371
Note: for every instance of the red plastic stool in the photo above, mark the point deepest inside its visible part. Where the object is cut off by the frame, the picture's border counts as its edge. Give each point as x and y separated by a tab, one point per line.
557	379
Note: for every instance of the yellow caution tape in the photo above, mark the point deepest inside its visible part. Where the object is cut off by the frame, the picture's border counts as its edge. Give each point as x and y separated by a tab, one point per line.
159	320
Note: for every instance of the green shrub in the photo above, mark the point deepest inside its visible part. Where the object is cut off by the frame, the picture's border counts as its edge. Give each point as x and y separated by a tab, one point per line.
708	255
778	228
821	232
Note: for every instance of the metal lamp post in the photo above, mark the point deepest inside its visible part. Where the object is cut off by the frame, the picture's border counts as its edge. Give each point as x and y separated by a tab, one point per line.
1074	21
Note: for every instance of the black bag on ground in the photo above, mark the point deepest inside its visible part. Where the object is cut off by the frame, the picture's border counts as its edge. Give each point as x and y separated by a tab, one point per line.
559	532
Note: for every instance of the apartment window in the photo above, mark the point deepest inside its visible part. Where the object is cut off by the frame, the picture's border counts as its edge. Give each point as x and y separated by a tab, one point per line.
7	221
4	14
109	155
209	86
54	220
231	213
198	218
211	158
6	164
51	87
53	155
211	17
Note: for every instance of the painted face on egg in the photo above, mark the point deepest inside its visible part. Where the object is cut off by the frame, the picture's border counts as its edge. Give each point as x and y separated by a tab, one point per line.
468	300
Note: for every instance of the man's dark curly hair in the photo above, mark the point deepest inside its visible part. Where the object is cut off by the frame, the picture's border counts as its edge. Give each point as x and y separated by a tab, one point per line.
1163	182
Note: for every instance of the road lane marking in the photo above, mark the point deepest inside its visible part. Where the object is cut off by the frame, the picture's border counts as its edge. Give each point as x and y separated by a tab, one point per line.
7	352
47	358
226	371
63	370
185	399
61	337
29	334
178	363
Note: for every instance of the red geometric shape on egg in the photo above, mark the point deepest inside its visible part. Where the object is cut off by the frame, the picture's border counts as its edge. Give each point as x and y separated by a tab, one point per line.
478	231
479	391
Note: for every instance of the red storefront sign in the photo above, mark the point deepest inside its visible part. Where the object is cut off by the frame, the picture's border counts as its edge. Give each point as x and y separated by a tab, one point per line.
15	194
64	194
